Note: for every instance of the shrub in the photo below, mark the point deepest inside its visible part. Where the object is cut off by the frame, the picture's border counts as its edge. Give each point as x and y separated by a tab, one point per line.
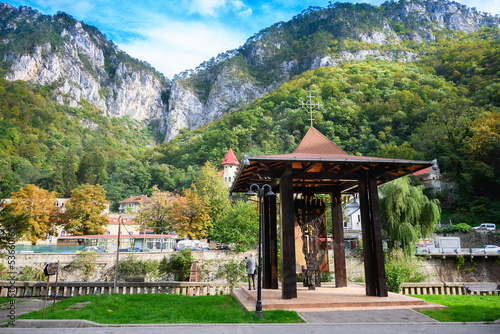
179	265
461	227
30	273
132	266
86	262
401	267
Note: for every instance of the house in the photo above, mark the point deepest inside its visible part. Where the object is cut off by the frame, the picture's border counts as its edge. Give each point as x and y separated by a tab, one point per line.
353	214
131	204
230	165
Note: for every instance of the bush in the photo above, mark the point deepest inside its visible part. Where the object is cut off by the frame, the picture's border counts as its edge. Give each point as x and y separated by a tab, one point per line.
461	227
29	273
400	268
86	263
179	265
132	266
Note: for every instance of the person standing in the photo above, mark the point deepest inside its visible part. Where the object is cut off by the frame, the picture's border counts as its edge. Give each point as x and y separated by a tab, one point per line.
251	265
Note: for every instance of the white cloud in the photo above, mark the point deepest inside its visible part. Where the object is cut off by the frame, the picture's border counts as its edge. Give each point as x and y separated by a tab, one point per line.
178	46
206	7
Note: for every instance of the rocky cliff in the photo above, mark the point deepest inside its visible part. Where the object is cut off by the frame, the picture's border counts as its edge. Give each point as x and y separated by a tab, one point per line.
80	64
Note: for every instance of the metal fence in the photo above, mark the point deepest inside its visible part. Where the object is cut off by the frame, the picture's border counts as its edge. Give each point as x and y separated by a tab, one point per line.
48	249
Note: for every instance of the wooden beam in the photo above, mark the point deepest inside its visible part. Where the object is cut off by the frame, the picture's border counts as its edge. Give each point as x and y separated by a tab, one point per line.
338	239
287	221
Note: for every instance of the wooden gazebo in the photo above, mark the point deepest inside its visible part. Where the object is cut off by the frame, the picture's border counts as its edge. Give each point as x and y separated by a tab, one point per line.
318	166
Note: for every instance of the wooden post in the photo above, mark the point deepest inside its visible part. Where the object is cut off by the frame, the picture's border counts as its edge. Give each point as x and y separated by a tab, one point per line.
273	249
287	221
378	251
55	293
46	293
338	239
366	230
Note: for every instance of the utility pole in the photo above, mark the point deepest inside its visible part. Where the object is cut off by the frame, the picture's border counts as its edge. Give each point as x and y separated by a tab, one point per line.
117	253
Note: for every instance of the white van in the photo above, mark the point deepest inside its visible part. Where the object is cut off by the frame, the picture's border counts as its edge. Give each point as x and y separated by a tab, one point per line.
491	227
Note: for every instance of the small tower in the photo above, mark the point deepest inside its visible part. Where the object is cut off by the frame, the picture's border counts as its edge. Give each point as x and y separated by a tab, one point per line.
230	165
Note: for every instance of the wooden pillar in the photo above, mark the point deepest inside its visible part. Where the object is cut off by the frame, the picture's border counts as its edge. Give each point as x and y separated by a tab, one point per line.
273	249
287	221
378	251
338	241
266	245
367	235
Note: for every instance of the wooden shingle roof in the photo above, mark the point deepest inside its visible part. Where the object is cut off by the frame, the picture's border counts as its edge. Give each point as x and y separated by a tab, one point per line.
318	165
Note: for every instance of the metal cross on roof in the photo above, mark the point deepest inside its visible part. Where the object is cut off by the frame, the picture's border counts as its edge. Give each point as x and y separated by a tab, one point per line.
311	104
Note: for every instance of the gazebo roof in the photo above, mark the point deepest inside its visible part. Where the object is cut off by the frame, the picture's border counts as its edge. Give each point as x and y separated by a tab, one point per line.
320	166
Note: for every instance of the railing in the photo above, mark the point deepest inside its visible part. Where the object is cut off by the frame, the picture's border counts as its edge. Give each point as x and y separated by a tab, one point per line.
444	288
73	289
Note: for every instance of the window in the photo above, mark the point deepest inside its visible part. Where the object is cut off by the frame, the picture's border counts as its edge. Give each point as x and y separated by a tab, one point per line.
63	233
229	179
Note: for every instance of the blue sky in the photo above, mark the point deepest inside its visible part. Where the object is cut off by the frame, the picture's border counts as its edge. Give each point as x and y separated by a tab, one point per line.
177	35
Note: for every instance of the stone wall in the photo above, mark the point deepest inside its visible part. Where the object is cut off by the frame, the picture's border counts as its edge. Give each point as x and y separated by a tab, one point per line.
437	269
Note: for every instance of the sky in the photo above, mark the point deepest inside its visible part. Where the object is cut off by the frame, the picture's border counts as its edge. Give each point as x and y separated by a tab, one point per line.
178	35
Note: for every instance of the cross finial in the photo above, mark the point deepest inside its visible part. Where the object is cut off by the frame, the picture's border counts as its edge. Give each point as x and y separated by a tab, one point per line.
311	104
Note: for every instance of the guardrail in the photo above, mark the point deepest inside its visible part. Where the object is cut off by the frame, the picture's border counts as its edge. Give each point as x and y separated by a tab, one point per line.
72	289
453	252
444	288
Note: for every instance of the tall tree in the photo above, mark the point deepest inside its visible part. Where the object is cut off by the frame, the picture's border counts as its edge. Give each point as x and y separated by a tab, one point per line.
406	213
239	226
190	215
39	205
155	211
64	177
92	168
85	211
212	190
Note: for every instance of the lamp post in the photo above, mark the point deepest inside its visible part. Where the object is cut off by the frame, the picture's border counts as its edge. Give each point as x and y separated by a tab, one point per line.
260	192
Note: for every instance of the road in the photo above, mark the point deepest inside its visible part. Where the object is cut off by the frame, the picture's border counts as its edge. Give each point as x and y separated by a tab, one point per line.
434	328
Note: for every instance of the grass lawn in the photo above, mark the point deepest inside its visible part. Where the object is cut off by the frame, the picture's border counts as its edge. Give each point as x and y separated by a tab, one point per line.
159	309
464	308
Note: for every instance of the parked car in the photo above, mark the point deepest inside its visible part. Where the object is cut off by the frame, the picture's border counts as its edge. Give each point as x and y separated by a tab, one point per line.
94	249
490	249
188	247
491	227
223	248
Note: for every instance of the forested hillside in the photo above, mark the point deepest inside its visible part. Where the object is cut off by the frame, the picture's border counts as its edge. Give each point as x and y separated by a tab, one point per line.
434	99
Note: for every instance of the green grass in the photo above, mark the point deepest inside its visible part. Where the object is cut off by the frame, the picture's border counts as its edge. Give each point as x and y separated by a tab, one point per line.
159	308
473	308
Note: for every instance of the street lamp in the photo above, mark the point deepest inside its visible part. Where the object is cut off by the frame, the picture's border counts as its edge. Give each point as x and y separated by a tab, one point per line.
260	192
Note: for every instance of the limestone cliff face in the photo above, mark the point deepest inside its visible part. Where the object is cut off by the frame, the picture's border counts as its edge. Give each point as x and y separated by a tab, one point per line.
230	90
76	67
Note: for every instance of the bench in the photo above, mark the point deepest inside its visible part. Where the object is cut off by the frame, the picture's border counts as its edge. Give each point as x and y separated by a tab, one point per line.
481	287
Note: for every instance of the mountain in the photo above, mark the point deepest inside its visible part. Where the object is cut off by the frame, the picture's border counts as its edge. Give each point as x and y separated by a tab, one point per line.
79	63
316	37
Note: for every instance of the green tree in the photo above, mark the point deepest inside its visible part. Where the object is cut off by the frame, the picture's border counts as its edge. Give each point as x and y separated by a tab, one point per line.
64	177
239	226
39	205
92	168
406	213
85	211
211	189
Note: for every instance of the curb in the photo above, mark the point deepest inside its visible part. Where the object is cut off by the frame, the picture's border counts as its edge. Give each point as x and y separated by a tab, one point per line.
36	323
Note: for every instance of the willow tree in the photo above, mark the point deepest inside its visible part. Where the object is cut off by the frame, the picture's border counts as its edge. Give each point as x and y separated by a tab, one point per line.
406	213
